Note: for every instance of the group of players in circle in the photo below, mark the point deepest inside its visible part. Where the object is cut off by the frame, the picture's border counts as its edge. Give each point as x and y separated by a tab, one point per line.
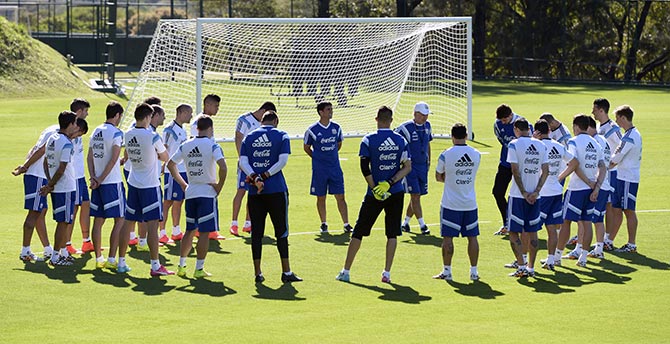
393	162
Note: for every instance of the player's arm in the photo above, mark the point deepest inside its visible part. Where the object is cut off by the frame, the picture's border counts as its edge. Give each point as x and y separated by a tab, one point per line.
125	157
572	166
440	177
174	171
516	174
543	178
116	151
223	172
621	152
32	158
602	170
278	166
91	170
238	141
308	149
54	179
365	170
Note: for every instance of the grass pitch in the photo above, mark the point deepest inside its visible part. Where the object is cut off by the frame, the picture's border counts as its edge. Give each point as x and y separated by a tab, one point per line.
619	299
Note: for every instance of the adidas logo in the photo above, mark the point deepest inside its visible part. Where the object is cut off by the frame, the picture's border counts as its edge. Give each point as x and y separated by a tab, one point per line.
531	150
261	141
133	142
464	161
98	136
388	145
590	148
52	145
554	154
194	153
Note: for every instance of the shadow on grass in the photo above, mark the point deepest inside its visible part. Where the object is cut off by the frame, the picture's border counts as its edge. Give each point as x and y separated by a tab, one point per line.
266	241
341	239
286	292
640	259
616	267
549	286
151	285
207	287
478	289
574	277
399	293
422	239
146	258
65	274
110	278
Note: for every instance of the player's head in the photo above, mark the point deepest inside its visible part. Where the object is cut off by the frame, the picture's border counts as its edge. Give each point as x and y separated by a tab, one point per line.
82	128
421	112
153	100
551	120
624	116
184	113
211	104
114	112
270	118
143	113
268	106
592	126
459	132
158	117
521	127
504	113
80	107
67	122
600	109
542	127
325	109
580	123
205	126
384	117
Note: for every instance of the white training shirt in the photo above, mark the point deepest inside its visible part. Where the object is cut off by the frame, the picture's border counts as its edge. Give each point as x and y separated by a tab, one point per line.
78	158
557	157
628	155
246	123
607	185
529	154
60	149
37	169
459	165
173	136
102	141
561	135
143	147
588	153
199	155
612	133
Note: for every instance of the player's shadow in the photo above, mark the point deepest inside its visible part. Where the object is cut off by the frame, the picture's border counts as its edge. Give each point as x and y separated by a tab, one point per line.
399	293
286	292
266	240
588	275
341	239
640	259
145	256
422	239
110	278
65	274
544	285
615	268
206	287
478	289
150	286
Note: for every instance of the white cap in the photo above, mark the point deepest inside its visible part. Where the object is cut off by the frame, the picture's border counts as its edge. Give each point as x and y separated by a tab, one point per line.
422	108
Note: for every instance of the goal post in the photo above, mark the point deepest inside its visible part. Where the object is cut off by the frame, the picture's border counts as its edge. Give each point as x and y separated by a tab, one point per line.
357	64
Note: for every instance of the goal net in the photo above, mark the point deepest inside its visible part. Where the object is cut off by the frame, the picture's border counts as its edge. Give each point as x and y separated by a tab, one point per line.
356	64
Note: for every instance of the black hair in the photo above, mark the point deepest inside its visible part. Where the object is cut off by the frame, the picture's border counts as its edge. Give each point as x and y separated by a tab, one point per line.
522	124
602	103
211	97
143	111
323	105
547	117
205	122
268	106
153	100
385	114
581	121
592	122
503	111
626	111
542	126
79	104
269	116
112	109
66	118
83	125
459	131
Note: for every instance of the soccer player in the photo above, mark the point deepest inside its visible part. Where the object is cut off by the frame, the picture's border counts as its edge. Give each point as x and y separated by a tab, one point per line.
263	155
600	207
417	132
385	161
558	130
583	187
457	168
323	141
612	133
627	157
108	196
173	136
61	183
245	124
144	204
528	160
503	128
200	155
551	195
210	107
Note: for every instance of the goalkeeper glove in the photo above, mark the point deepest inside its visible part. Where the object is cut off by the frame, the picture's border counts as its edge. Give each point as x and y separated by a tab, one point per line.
381	190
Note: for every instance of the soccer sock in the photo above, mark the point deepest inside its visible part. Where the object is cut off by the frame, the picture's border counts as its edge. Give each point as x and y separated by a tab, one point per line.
200	264
286	273
558	254
48	250
632	245
406	222
447	269
345	271
233	223
111	259
100	259
422	222
578	247
582	255
525	258
599	247
25	250
69	243
550	259
155	265
386	274
63	252
247	223
133	236
473	270
176	230
87	239
182	261
607	237
324	223
55	256
346	224
530	269
122	261
163	233
143	241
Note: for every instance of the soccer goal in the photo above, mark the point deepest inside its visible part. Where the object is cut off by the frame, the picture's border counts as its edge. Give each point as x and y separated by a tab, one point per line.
356	64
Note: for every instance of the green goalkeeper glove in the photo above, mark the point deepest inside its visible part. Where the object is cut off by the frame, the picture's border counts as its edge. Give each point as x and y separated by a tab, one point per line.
381	190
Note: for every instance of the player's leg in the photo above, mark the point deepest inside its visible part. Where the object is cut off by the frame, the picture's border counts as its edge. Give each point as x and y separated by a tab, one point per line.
319	188
321	210
629	200
516	225
614	214
344	211
186	243
631	224
502	179
278	211
70	229
176	219
237	201
367	215
393	207
85	215
258	212
96	237
411	184
167	205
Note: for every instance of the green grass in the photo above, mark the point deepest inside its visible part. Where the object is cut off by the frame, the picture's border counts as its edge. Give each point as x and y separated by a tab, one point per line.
620	299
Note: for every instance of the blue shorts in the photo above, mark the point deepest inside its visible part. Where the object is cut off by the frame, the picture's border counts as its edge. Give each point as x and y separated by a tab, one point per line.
613	184
455	222
628	195
63	206
31	190
126	173
416	182
202	213
523	216
108	201
551	209
577	206
241	180
600	206
173	191
327	181
81	193
144	204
